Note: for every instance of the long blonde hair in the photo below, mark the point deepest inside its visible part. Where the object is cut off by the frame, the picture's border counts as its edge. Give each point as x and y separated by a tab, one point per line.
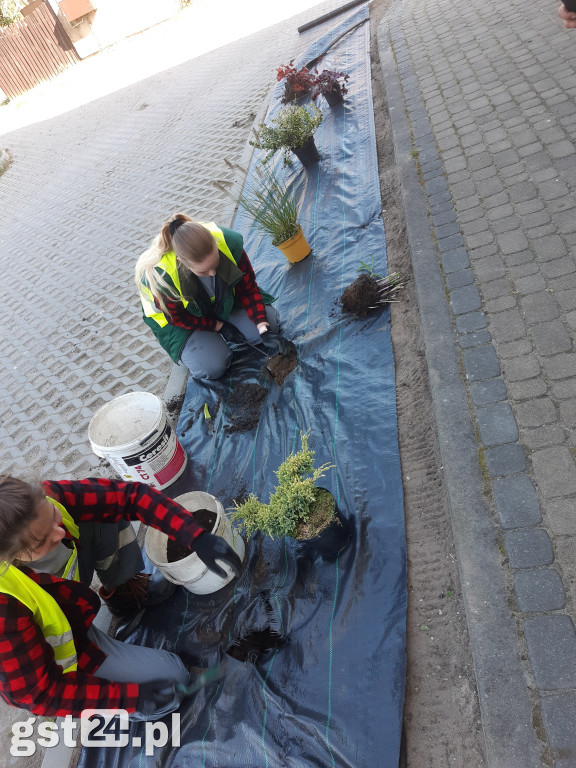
190	241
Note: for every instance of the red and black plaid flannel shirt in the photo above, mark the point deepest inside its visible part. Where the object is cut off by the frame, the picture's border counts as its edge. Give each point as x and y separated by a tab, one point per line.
246	291
29	676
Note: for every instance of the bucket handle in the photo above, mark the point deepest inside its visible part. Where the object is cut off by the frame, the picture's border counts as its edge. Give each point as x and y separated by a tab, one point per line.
148	438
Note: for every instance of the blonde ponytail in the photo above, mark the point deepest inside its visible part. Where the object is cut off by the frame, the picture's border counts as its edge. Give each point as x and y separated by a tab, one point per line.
147	275
190	241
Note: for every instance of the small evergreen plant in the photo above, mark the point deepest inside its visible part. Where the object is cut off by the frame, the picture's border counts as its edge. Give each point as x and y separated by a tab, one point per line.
289	130
297	508
9	12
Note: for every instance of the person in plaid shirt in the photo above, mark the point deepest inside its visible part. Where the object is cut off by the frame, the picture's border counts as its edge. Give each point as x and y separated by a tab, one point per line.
95	671
199	291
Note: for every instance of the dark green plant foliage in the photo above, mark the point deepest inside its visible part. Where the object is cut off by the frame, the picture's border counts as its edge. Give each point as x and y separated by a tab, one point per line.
291	129
293	502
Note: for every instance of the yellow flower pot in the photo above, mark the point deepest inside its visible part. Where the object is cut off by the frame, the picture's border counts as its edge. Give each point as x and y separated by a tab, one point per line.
296	248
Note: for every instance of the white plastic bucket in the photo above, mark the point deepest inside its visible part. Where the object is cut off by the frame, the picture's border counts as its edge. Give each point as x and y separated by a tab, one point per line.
132	433
190	572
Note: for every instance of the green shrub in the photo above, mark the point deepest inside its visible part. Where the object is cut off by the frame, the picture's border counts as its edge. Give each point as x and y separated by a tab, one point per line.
289	130
297	508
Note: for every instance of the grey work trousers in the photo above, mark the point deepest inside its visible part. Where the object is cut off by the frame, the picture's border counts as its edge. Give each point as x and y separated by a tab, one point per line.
207	355
127	663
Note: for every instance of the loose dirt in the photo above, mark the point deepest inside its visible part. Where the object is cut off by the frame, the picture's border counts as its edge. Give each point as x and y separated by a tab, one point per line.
176	551
442	715
279	366
174	405
244	406
253	646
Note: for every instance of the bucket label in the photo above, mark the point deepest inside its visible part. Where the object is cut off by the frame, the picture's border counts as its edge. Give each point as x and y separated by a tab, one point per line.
157	464
150	452
169	471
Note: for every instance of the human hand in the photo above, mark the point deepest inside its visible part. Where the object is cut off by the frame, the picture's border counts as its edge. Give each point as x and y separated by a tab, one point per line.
262	328
568	17
158	696
277	345
210	548
219	324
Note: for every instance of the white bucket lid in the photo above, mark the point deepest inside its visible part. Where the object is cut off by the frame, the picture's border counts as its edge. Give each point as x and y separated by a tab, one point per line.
125	420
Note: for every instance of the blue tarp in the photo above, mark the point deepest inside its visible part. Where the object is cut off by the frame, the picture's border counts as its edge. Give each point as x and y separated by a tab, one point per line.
334	695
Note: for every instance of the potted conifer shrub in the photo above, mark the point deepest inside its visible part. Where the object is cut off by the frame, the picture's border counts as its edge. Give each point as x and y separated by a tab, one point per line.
292	131
298	508
274	209
331	85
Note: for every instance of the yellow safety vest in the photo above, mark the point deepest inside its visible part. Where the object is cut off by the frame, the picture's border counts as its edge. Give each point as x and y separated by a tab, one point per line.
46	612
169	264
71	568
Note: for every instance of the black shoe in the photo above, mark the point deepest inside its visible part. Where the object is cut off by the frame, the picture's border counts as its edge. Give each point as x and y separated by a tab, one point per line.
141	591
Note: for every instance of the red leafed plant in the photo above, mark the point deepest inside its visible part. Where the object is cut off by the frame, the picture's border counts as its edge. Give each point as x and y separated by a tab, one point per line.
299	82
328	81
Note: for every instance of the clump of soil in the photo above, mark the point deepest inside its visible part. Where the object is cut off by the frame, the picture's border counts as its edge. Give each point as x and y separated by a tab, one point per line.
174	405
245	404
261	569
176	551
279	366
188	425
254	645
362	297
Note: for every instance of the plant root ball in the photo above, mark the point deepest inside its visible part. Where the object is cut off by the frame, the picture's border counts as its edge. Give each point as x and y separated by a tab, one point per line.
362	297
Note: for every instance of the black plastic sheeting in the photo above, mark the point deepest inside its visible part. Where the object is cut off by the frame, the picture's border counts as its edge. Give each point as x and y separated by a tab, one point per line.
333	694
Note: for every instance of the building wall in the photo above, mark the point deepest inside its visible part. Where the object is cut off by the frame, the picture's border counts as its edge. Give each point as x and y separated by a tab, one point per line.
113	20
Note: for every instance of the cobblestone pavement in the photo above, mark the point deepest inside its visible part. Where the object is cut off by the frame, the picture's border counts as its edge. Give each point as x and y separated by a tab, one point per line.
85	193
80	201
482	98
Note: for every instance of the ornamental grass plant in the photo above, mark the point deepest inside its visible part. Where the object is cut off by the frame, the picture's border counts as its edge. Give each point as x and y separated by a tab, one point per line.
272	204
291	129
297	508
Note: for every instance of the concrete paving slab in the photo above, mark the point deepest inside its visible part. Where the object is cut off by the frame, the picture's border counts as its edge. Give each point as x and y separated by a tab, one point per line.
100	157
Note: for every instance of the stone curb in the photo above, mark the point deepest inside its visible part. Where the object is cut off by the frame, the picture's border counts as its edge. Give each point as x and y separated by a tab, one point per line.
506	705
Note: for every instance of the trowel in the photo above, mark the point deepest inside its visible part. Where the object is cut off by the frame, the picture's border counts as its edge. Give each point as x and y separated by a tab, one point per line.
232	337
261	351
